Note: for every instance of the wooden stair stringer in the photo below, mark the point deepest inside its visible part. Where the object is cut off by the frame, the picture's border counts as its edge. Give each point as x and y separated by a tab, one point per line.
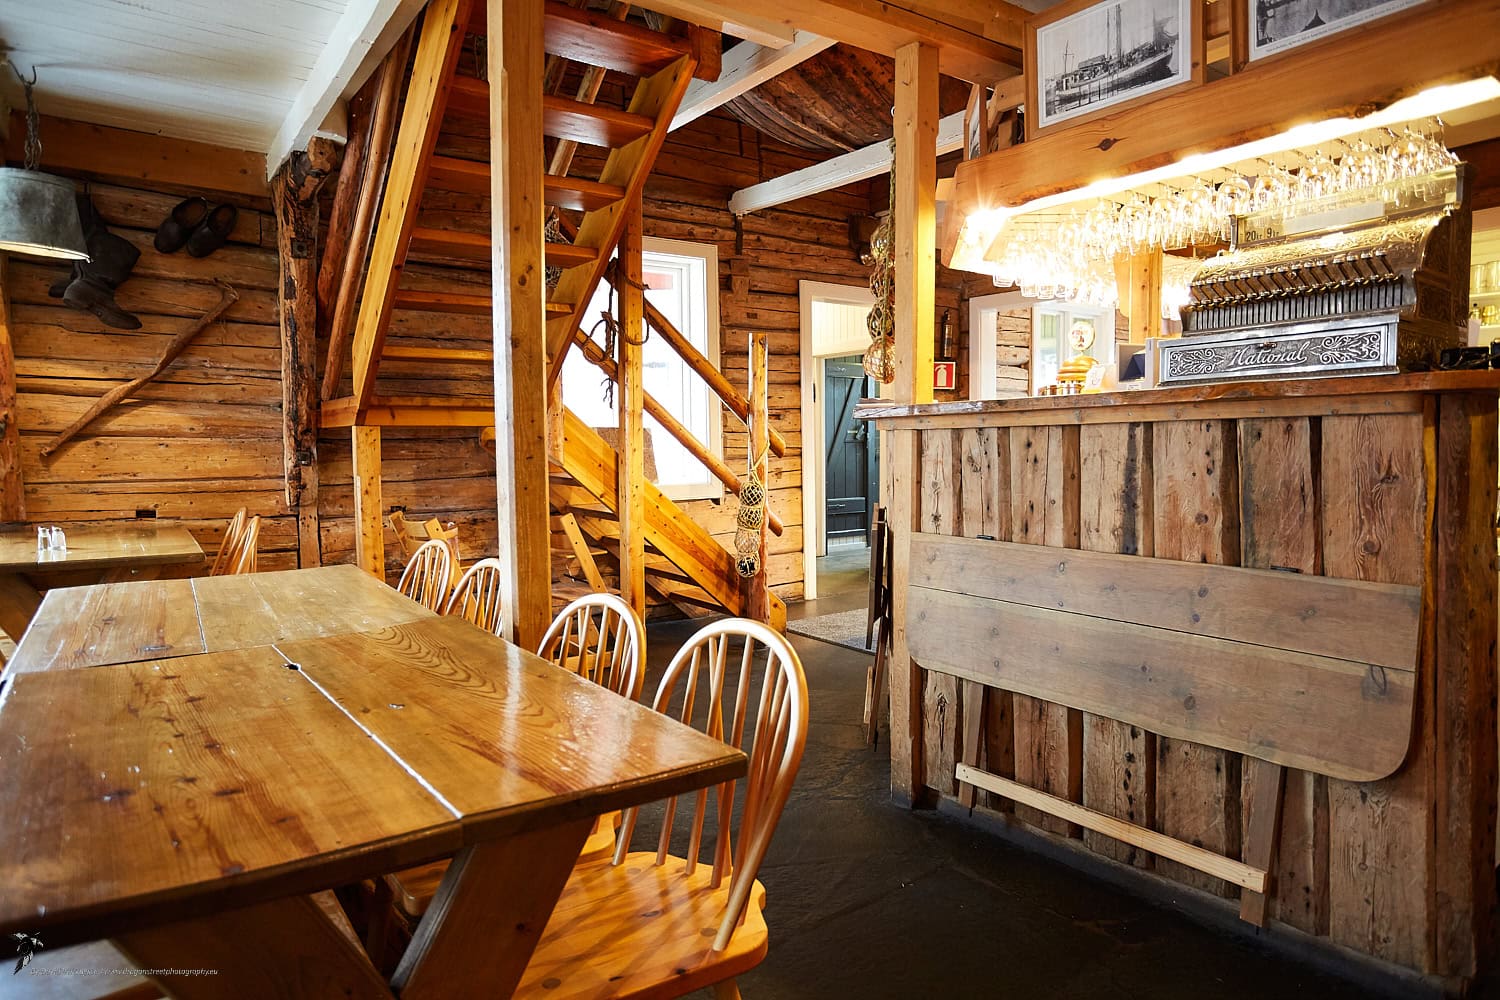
426	97
626	168
592	463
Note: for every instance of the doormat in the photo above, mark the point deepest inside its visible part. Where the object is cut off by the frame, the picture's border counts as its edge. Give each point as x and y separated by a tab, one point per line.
843	628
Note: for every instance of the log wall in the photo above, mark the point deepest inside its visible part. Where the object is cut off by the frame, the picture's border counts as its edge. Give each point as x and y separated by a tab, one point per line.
1385	487
197	443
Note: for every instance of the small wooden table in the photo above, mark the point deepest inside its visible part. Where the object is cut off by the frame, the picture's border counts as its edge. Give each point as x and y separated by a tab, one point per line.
185	807
126	622
107	552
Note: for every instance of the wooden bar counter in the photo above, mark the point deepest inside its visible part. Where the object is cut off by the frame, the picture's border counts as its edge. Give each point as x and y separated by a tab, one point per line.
1240	636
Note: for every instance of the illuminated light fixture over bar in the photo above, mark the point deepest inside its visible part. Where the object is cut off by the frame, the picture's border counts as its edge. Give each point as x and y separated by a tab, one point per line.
981	227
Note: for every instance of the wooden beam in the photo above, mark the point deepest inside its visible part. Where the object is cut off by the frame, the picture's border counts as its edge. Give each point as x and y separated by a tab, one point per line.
12	494
745	67
631	481
369	525
975	40
519	290
916	125
754	27
117	154
421	119
350	270
1350	74
1139	279
861	164
758	587
915	209
294	196
365	31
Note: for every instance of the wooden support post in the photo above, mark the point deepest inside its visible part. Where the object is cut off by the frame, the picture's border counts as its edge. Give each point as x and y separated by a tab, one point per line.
516	64
12	496
369	528
1139	277
916	122
294	194
630	485
758	593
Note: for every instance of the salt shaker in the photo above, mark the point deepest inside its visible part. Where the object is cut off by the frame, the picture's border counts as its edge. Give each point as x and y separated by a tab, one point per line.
59	540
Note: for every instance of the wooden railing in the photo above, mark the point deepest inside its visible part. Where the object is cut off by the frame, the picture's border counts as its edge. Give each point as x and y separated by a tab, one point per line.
734	400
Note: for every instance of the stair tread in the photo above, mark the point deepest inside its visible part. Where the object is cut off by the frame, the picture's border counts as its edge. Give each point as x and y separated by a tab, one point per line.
455	244
592	125
596	39
562	117
460	303
473	177
450	354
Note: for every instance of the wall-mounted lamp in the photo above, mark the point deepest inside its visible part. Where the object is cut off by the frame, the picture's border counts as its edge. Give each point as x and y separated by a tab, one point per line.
38	213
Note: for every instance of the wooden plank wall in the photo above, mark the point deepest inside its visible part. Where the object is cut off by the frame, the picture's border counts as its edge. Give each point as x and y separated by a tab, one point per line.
199	442
1346	496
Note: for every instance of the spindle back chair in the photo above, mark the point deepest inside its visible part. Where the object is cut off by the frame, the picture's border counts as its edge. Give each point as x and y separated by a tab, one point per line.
477	596
626	926
427	575
229	546
601	638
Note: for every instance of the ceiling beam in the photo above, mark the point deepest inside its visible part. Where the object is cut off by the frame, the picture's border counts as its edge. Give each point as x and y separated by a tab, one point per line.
861	164
364	33
747	23
977	40
745	67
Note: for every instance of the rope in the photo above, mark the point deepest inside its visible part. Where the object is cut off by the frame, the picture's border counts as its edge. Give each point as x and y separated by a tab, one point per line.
614	329
33	157
750	519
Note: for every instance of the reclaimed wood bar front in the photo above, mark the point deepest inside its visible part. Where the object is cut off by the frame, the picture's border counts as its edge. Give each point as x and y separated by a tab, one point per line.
1241	636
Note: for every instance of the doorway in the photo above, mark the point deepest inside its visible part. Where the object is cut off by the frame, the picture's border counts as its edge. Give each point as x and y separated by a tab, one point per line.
840	479
850	463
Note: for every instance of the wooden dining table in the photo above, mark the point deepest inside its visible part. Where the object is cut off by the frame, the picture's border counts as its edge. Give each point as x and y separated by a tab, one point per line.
185	806
95	553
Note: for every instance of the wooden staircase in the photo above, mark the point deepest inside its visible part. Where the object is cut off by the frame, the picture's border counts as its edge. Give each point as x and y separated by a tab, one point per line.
685	564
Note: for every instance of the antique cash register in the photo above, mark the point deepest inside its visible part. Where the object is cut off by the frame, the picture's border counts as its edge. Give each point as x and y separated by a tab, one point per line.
1362	283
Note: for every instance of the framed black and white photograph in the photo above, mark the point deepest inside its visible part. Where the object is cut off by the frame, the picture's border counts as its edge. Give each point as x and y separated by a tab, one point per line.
1278	25
1086	56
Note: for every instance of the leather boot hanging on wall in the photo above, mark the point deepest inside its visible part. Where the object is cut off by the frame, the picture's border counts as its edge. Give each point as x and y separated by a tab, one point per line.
91	286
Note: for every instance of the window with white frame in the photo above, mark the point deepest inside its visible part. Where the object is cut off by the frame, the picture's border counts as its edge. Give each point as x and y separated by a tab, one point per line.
682	282
1060	331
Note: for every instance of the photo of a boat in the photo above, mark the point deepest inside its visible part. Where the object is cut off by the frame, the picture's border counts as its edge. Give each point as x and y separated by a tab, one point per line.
1101	77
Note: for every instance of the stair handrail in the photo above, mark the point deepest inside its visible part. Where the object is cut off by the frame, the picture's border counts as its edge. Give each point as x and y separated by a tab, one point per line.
715	465
734	400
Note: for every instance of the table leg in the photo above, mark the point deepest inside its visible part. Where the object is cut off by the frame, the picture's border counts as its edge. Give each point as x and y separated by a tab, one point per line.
284	948
489	913
18	603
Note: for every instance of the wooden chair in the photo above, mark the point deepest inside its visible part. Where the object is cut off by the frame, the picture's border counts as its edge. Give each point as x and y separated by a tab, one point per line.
647	924
477	596
410	537
427	575
228	546
598	636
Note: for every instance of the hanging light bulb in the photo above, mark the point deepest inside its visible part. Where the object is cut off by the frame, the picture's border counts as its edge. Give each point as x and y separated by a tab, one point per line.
38	213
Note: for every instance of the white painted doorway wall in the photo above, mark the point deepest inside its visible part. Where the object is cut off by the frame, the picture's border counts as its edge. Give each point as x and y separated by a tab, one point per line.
833	324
